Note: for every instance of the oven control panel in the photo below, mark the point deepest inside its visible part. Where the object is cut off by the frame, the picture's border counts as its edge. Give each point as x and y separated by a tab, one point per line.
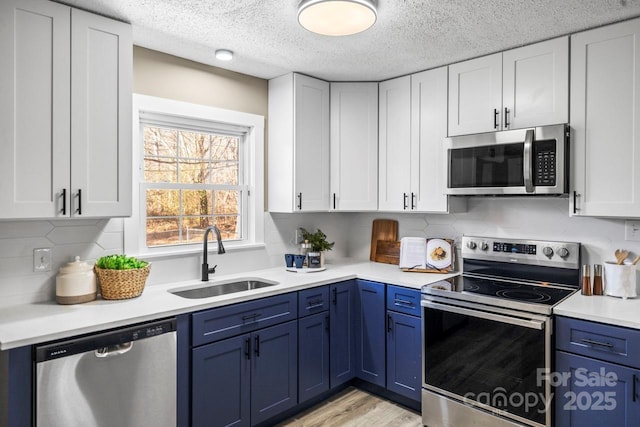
535	252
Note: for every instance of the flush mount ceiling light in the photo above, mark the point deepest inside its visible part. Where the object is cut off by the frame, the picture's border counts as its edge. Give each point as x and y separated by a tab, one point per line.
224	55
337	17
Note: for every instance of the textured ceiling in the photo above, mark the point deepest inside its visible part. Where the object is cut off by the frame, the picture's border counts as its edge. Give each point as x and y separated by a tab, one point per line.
409	36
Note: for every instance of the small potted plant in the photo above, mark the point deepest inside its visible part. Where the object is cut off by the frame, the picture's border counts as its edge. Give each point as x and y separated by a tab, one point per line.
121	277
319	245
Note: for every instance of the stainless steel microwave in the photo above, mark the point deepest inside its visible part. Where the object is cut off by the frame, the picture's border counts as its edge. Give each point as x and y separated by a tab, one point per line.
533	161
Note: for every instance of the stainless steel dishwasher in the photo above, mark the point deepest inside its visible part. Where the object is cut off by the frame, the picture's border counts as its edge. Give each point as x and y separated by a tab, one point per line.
125	378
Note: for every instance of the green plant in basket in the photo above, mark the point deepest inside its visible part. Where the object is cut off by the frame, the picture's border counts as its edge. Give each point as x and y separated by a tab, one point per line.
120	262
318	240
120	276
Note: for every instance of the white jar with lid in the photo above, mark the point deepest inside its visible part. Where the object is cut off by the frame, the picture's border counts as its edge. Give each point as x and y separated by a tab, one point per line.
75	283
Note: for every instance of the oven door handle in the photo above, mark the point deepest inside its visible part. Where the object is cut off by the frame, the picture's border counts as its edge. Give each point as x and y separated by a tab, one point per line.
528	161
531	324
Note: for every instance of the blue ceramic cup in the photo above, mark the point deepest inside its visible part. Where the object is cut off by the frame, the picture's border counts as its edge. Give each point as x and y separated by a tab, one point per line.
288	259
299	260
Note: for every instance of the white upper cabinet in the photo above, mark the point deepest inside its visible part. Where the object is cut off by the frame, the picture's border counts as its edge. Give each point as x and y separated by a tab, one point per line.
535	84
428	131
518	88
354	146
475	95
65	113
101	88
413	125
394	172
605	115
298	144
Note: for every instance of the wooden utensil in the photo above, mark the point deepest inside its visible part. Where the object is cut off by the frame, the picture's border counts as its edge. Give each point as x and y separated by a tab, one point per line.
382	229
388	252
635	261
621	255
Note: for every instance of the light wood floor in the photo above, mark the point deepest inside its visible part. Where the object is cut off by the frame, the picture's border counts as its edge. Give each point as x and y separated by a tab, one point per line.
355	408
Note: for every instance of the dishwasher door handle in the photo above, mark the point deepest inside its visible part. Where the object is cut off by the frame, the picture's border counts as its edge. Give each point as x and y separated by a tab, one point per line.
114	350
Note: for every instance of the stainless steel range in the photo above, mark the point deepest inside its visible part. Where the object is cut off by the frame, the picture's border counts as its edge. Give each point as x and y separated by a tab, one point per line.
487	333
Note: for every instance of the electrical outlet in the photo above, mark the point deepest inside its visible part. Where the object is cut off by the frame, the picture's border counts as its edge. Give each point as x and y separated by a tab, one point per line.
42	259
632	230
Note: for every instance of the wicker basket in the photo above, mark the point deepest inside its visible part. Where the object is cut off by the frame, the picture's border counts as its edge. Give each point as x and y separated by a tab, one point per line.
122	284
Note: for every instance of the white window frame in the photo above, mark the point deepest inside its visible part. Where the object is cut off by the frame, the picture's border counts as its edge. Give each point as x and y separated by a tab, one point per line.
253	173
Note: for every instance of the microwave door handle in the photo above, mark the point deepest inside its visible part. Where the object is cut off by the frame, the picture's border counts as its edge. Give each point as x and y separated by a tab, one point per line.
528	169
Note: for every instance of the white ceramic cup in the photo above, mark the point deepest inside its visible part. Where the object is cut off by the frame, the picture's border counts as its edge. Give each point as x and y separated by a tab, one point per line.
619	280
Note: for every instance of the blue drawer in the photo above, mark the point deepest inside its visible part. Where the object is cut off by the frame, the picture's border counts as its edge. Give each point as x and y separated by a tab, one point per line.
224	322
598	341
403	300
312	301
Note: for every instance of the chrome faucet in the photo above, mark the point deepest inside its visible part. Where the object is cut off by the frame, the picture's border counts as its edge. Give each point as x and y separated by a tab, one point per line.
205	266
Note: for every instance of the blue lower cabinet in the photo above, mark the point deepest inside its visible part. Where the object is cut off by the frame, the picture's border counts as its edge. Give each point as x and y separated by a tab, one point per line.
244	380
342	339
593	393
313	356
221	383
274	371
404	354
371	326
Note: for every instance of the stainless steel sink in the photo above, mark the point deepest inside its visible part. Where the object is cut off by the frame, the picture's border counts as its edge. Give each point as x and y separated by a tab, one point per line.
222	288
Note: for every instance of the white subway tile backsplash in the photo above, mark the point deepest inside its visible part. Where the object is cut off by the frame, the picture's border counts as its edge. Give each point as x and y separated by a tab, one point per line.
500	217
13	229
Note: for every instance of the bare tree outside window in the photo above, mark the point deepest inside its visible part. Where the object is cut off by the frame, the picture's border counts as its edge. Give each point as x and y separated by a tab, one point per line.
192	180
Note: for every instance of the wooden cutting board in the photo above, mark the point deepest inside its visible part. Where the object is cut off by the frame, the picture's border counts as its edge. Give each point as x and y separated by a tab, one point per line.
382	229
388	252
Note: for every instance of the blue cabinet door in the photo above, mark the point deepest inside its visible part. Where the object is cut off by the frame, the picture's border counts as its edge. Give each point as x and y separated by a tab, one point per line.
590	393
221	383
342	341
370	347
404	354
313	355
274	371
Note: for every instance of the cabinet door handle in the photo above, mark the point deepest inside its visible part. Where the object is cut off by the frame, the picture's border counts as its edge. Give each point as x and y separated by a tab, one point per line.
299	201
389	323
335	296
326	323
257	345
63	211
315	304
506	117
495	118
601	344
247	352
575	201
634	387
334	200
413	201
79	210
405	197
403	303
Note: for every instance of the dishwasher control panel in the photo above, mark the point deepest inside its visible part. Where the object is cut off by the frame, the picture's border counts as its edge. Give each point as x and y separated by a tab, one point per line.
105	339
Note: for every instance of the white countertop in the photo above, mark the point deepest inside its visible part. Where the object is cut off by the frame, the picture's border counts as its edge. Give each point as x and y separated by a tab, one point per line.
40	322
604	309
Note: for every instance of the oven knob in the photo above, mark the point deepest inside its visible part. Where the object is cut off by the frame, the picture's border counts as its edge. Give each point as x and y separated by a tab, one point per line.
563	252
484	246
547	251
471	244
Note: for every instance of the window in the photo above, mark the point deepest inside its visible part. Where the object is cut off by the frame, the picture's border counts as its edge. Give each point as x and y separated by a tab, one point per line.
196	166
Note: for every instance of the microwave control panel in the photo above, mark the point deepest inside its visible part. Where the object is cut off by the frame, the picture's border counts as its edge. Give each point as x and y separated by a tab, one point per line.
545	163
